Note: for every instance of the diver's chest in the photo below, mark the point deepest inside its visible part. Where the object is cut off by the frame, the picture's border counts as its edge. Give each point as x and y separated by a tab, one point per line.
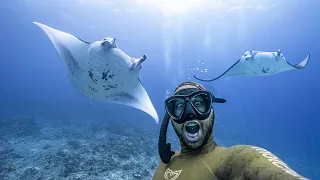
185	169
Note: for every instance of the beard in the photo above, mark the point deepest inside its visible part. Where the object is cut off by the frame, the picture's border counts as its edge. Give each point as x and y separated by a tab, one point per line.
198	139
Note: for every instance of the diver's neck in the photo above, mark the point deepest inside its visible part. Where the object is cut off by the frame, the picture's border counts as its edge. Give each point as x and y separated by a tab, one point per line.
207	147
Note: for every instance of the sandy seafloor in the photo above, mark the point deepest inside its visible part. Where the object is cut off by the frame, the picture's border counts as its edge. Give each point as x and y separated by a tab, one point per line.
45	149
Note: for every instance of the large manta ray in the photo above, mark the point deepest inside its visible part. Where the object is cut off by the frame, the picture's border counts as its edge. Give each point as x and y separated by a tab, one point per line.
259	63
101	71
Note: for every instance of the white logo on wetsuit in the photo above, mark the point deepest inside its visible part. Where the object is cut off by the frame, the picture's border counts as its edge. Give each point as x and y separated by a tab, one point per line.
277	162
171	175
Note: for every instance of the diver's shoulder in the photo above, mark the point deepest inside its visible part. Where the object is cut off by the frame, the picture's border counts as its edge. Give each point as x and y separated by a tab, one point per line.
249	151
245	148
239	149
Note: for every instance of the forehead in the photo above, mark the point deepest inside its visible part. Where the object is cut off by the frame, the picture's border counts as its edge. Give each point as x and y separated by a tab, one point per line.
187	91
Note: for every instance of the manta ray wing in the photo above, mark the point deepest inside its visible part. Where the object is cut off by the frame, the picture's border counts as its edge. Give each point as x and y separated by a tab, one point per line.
72	51
134	95
302	64
286	66
236	69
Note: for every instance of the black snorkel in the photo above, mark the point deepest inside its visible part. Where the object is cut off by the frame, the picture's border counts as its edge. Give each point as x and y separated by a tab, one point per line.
164	147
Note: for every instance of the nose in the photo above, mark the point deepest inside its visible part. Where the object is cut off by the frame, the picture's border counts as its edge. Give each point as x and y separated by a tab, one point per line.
189	112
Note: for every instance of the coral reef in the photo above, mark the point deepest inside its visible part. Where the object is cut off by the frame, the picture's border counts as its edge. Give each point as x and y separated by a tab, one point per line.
72	150
18	127
44	149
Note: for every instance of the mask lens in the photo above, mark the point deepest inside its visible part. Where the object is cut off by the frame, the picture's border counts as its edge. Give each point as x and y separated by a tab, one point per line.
175	107
202	102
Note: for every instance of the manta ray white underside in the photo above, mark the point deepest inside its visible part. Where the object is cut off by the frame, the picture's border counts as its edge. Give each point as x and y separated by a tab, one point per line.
259	63
101	71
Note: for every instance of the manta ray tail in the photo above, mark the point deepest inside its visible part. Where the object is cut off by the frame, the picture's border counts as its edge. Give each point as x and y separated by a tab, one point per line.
204	80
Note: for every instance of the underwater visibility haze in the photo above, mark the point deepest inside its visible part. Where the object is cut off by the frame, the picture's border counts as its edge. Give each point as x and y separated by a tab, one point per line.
51	128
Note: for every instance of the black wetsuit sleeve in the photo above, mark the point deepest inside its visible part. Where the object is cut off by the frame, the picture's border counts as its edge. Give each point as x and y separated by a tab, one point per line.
256	163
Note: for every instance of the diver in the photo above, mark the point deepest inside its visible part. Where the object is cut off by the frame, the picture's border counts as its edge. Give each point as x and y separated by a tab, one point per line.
200	158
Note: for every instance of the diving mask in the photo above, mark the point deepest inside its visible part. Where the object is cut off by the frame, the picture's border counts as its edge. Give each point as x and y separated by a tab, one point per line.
194	105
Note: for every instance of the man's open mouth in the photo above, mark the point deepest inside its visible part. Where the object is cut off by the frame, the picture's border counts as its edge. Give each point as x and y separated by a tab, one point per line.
193	131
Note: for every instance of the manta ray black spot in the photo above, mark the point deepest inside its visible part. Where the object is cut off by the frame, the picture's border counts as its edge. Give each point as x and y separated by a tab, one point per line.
265	70
91	77
90	74
93	89
112	87
127	97
111	76
105	75
69	58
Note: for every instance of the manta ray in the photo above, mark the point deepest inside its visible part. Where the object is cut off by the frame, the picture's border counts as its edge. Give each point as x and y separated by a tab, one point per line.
259	63
101	71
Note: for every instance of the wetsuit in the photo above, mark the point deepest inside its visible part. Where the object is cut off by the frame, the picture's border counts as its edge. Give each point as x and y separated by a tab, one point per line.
210	161
213	162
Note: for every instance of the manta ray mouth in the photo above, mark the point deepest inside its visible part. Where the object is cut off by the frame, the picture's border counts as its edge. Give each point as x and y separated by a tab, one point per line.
193	131
108	42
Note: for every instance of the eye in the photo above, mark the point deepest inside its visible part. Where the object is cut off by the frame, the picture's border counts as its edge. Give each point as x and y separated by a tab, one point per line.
198	103
179	105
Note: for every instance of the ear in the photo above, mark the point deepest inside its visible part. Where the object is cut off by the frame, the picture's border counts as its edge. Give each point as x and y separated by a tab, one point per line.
212	115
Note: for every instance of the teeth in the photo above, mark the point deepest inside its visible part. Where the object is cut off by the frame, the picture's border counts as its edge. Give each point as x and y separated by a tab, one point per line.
193	135
192	124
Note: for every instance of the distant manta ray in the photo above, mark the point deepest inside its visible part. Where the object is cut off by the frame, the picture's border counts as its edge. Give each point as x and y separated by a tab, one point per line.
101	71
259	63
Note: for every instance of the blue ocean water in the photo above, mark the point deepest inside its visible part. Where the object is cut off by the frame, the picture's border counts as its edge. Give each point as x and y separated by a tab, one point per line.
278	112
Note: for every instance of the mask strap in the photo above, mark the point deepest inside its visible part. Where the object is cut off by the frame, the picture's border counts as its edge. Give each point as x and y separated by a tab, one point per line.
164	147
